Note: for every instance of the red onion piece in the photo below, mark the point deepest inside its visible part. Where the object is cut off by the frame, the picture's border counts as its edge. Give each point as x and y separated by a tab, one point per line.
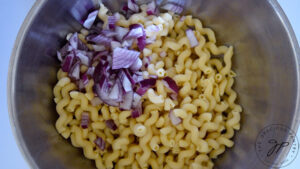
136	100
85	119
136	113
99	39
177	2
148	82
151	8
137	65
74	40
59	56
85	79
121	32
146	61
174	119
100	143
145	85
103	91
124	58
136	31
111	124
83	58
129	76
90	71
90	19
67	63
75	71
115	92
192	38
171	84
127	86
112	22
127	101
173	7
137	77
108	33
133	6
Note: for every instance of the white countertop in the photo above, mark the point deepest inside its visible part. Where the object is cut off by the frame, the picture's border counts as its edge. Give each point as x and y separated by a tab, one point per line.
12	14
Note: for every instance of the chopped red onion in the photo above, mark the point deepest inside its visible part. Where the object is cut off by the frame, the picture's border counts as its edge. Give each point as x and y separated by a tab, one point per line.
182	18
152	30
108	33
83	58
59	56
129	76
136	31
124	58
171	84
173	7
192	38
127	101
174	119
90	71
145	85
151	8
112	21
148	82
96	101
127	43
111	124
121	32
127	86
102	90
90	19
177	2
136	113
133	6
100	143
75	71
115	92
101	55
136	100
99	39
115	44
85	79
74	40
136	65
137	77
85	119
146	61
142	41
142	90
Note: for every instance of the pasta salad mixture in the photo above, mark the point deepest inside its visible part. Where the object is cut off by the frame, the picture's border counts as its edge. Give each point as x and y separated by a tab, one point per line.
146	89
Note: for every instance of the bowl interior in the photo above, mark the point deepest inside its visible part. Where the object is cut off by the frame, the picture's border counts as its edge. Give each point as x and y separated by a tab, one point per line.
264	60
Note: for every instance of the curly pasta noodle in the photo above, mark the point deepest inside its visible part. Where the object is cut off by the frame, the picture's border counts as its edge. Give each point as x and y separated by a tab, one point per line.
206	103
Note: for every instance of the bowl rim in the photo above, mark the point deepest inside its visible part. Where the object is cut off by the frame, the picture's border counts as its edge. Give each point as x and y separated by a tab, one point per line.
18	46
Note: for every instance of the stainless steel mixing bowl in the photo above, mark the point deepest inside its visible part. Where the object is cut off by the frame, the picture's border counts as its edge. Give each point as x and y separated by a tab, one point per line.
266	61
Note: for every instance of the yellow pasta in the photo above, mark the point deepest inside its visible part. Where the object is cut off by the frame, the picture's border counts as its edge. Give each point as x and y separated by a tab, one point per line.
205	105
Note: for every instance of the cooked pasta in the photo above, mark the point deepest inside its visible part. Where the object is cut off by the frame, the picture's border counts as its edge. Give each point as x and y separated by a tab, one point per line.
205	109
